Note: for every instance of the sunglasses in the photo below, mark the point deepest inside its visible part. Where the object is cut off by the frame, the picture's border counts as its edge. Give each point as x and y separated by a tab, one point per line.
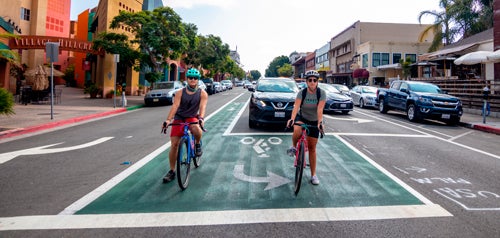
312	80
191	78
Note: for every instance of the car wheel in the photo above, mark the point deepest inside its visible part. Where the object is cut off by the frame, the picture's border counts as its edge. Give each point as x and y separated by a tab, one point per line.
382	108
412	114
251	124
454	120
361	103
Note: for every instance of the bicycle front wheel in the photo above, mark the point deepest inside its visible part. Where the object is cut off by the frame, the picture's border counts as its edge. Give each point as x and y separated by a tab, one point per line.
299	169
183	164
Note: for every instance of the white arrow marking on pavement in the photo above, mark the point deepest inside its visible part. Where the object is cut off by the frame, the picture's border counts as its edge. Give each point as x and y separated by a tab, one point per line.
359	120
42	149
272	179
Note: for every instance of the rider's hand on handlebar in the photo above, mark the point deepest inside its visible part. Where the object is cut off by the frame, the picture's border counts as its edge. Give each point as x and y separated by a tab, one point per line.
164	127
289	123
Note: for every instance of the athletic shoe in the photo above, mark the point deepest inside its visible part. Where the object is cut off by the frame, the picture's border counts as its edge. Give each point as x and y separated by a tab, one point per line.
291	151
315	180
169	176
198	152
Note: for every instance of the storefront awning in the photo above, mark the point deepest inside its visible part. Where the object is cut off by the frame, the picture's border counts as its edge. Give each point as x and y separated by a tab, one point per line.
361	73
453	50
389	66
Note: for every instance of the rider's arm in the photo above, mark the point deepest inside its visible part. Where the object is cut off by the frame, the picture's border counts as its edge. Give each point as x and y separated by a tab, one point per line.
321	106
175	106
295	110
203	103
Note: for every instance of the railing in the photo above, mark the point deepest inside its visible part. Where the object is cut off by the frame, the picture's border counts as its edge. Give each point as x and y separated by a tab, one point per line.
470	91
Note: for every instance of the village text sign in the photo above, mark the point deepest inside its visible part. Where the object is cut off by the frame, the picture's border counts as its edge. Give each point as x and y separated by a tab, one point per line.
38	42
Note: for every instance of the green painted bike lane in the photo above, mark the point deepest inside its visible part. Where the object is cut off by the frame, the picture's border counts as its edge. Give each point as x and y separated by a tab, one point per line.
252	171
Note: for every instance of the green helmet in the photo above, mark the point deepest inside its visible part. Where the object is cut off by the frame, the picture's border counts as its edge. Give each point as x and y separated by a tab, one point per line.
193	73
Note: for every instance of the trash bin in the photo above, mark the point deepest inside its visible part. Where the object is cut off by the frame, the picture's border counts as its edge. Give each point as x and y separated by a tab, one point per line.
26	92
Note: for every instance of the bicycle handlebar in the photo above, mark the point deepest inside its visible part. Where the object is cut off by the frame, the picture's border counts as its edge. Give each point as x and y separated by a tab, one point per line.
304	125
165	126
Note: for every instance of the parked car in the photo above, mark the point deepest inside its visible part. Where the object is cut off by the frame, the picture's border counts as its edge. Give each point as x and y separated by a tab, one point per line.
239	83
227	83
364	96
336	101
217	87
201	85
420	100
342	88
272	101
162	93
209	83
301	85
247	84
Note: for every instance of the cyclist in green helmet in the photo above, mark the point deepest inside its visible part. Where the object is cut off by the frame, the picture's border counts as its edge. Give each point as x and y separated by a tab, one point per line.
189	106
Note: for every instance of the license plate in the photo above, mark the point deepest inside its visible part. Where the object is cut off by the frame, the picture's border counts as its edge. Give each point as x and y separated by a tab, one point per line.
156	99
343	105
445	116
279	114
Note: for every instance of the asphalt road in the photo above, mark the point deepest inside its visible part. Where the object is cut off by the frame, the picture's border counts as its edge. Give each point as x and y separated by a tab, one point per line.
454	168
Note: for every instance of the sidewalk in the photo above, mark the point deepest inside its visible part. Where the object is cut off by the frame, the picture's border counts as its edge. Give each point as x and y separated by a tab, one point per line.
74	106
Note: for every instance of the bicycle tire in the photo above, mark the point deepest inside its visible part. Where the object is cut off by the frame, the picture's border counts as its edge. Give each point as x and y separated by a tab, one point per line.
183	164
299	169
197	160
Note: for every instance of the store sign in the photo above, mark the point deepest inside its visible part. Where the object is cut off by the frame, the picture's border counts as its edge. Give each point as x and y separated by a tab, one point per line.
38	42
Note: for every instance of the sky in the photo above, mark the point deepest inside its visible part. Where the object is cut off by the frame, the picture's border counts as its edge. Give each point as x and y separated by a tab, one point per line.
261	30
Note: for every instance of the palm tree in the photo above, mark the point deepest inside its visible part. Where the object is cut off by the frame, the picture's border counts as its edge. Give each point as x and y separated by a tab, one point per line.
7	55
440	28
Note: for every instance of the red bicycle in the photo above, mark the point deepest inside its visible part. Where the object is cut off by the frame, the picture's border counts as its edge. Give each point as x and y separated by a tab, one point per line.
300	159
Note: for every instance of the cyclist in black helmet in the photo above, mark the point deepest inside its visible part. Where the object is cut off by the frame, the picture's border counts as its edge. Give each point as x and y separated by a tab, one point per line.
309	110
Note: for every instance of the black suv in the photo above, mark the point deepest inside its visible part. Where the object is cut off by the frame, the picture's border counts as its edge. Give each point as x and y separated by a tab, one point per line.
210	85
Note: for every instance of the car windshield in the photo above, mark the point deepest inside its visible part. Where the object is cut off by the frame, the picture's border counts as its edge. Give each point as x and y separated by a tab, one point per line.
369	90
164	85
279	86
425	88
328	88
225	81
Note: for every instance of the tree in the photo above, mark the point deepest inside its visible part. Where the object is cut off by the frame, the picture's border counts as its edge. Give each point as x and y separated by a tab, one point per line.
459	19
7	55
272	69
160	35
285	71
114	43
255	74
406	67
213	54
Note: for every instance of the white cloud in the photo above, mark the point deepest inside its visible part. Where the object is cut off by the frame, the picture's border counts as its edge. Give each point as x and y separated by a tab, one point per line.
196	3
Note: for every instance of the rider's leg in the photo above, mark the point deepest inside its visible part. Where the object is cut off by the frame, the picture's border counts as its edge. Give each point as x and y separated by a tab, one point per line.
197	132
172	155
297	132
311	146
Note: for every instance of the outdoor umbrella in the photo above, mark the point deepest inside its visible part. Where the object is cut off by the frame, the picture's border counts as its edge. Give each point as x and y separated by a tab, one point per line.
476	57
494	57
45	69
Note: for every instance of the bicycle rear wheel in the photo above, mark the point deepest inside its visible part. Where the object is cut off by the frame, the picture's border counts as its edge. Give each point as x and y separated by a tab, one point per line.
197	159
183	164
299	169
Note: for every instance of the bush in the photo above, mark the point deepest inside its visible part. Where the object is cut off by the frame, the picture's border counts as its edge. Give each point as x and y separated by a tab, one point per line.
6	102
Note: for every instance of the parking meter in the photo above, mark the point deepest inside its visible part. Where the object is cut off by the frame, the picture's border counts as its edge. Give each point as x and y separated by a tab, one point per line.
486	93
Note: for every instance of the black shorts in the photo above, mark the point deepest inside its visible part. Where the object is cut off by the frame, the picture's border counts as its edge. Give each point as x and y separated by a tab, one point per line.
312	128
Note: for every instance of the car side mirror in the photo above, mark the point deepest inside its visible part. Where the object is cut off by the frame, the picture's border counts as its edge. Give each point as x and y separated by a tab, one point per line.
404	90
251	89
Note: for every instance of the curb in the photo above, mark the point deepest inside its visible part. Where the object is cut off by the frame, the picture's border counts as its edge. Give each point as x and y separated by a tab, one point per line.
481	127
31	129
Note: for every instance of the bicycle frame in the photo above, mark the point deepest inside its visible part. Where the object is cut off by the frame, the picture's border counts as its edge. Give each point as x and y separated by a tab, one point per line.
297	146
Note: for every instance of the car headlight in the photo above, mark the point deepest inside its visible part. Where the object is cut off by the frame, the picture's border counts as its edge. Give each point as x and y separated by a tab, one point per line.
425	100
258	102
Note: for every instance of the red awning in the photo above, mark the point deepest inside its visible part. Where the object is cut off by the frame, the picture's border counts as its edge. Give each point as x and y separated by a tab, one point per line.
360	73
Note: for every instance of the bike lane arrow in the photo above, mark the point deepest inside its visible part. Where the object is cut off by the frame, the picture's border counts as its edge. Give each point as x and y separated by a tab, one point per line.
272	179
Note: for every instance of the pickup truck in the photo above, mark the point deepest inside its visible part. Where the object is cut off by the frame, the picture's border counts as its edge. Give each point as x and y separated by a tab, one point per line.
420	100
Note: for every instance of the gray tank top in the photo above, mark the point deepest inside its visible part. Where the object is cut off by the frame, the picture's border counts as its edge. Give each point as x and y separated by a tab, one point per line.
189	106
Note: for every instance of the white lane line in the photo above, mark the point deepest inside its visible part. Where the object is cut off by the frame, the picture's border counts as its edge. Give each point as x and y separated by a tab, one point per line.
235	119
439	138
90	197
87	199
172	219
461	135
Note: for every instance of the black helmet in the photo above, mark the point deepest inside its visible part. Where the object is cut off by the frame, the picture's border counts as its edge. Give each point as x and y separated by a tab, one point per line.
311	73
